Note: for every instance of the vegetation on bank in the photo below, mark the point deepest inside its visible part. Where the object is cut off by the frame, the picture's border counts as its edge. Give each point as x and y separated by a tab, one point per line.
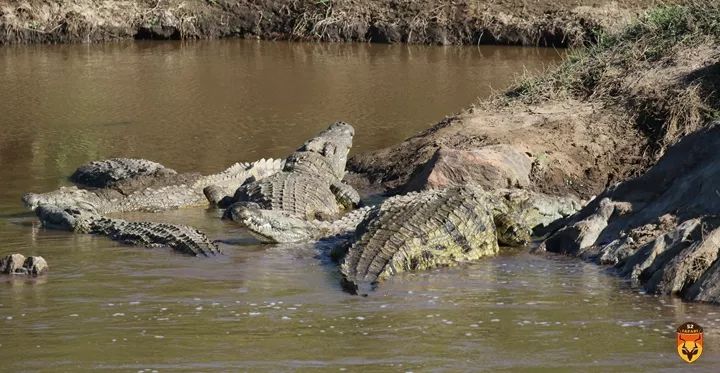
663	69
606	114
555	23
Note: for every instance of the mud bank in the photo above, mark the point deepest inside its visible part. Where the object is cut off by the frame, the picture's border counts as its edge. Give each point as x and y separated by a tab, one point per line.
557	23
631	119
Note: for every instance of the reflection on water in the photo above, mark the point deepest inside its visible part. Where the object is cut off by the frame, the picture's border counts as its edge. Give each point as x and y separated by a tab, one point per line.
202	106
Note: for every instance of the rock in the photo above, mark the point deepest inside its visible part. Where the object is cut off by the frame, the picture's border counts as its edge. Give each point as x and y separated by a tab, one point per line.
634	225
616	252
35	265
654	255
582	234
707	287
17	264
492	167
12	263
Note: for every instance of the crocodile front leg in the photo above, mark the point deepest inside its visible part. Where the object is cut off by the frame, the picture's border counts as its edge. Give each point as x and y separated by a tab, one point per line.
346	195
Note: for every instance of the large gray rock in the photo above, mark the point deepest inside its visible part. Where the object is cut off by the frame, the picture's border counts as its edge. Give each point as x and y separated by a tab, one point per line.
492	167
582	234
634	225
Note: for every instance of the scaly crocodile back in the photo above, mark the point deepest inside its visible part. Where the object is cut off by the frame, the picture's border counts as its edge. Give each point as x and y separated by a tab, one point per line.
105	173
420	231
227	182
181	238
303	195
158	192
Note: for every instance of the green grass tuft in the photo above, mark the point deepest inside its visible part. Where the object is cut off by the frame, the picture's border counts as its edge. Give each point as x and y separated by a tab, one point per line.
614	70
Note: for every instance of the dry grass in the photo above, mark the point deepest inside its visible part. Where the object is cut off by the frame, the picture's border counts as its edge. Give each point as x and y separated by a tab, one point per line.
558	23
663	70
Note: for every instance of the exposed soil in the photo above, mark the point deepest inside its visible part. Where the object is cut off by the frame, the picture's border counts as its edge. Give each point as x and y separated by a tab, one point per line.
607	114
555	23
633	119
577	147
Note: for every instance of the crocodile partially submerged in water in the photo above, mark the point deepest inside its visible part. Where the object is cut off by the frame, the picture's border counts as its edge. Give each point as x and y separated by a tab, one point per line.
108	172
415	231
181	238
124	185
301	199
310	185
308	181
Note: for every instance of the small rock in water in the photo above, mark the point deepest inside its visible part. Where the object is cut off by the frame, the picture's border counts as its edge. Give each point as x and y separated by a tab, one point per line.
12	263
35	265
17	264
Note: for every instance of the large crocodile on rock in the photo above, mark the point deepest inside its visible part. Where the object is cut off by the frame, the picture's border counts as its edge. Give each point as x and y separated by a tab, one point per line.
310	185
416	231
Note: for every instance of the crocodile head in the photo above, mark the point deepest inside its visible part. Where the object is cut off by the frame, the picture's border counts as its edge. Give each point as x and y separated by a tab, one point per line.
70	197
332	145
512	229
56	217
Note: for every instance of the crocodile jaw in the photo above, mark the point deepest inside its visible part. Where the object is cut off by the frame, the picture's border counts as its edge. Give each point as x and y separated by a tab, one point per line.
274	225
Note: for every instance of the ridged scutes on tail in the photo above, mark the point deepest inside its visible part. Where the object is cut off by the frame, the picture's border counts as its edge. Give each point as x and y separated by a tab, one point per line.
181	238
420	231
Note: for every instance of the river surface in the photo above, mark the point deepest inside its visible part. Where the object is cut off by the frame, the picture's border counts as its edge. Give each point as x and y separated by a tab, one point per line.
203	106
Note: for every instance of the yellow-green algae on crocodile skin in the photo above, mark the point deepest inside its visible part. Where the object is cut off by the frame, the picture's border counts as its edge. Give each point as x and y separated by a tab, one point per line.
427	230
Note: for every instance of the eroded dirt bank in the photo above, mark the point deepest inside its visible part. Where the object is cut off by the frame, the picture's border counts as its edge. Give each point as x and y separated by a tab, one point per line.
631	119
556	23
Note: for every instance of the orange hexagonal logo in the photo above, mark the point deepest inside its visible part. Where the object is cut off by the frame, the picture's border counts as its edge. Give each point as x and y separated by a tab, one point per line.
690	341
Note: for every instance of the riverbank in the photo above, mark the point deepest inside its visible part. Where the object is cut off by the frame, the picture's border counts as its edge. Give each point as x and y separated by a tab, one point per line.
636	109
558	23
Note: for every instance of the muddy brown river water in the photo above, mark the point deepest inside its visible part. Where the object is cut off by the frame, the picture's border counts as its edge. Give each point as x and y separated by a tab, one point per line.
202	106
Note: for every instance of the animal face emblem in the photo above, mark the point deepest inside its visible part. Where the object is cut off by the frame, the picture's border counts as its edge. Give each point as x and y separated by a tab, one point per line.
689	342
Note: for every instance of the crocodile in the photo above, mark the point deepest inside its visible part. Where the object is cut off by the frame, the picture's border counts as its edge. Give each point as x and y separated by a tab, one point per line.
276	226
310	185
124	185
106	173
416	231
181	238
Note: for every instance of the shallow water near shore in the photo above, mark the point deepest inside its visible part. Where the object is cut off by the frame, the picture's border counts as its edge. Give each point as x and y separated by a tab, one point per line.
202	106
